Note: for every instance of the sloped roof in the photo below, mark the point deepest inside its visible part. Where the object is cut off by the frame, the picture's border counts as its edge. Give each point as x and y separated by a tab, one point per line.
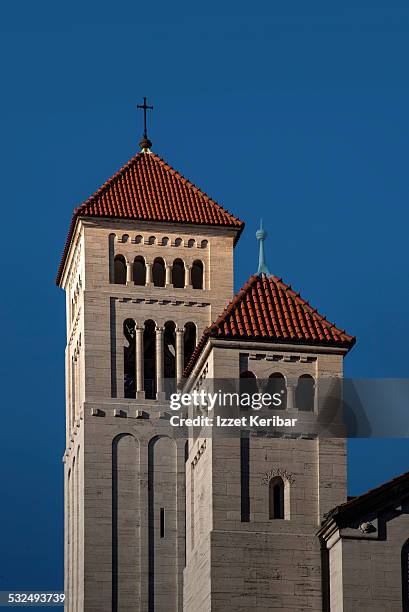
268	310
149	189
386	494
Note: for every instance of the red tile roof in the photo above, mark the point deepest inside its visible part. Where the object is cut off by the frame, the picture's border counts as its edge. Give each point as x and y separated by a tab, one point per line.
149	189
268	310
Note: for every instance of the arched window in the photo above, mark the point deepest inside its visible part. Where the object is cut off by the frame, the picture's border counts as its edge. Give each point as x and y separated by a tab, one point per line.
204	244
305	393
178	274
276	384
138	239
169	357
129	358
189	341
152	240
248	386
191	243
405	576
178	241
197	274
125	238
165	241
139	271
276	498
149	361
158	272
119	270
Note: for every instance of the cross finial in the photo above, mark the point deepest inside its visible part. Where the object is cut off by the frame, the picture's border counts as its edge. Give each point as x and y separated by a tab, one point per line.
261	235
145	143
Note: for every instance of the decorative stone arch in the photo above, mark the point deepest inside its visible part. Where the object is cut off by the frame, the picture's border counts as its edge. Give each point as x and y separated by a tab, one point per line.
191	243
138	239
178	242
151	240
204	244
125	238
165	241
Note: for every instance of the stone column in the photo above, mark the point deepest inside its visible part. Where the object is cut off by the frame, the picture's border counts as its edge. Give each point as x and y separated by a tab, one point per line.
129	270
187	276
291	394
159	359
139	357
148	274
168	275
179	353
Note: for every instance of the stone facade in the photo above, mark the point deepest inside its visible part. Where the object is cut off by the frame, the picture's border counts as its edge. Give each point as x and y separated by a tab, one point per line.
156	522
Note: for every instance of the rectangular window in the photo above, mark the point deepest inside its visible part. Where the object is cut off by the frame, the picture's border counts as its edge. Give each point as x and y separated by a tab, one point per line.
162	522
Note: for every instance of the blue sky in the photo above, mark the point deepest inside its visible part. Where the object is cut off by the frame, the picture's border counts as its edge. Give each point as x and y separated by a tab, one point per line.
293	112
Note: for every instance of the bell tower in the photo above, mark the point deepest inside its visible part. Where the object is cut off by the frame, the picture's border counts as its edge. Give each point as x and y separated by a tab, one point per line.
148	264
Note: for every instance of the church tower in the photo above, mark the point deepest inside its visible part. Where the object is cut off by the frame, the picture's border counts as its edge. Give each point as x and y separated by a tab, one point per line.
147	266
155	522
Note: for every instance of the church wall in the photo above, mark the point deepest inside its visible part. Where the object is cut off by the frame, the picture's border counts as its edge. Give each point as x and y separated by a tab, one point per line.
371	569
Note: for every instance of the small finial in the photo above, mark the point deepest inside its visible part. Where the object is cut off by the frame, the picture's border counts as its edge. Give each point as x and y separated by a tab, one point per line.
145	143
261	235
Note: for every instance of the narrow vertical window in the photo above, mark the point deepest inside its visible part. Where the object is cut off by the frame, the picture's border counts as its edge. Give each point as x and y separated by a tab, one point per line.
245	476
162	522
189	339
158	272
405	576
276	498
139	271
305	393
178	274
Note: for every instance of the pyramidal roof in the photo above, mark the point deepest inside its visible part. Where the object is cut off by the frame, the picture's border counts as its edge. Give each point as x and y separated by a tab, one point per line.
148	189
268	310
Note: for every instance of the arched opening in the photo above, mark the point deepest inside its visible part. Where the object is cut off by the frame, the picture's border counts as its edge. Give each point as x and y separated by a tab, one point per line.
119	270
405	576
191	243
169	357
125	238
178	242
204	244
248	387
276	384
152	240
158	272
305	393
165	241
276	498
189	341
138	239
129	358
197	274
178	274
139	271
149	359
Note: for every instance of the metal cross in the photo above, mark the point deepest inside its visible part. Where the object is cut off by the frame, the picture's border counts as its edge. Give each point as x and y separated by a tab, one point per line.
145	108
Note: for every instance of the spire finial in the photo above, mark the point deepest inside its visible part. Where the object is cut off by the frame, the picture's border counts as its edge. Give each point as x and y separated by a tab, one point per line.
261	235
145	143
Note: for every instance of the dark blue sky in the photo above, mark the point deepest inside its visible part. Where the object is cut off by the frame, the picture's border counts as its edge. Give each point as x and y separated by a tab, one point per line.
296	112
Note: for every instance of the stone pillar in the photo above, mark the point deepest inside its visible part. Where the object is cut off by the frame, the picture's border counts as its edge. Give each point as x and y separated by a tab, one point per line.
291	394
168	275
179	353
187	276
159	359
139	357
129	270
148	274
